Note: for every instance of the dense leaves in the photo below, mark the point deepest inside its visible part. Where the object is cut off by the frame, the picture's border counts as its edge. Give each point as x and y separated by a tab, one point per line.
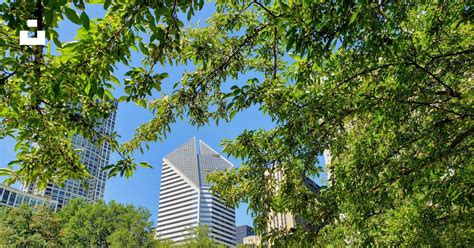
23	227
46	97
83	224
386	88
102	225
79	224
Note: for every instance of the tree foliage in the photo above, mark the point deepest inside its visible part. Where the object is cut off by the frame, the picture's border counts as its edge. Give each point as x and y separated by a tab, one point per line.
102	225
386	88
84	224
23	227
200	238
49	94
78	224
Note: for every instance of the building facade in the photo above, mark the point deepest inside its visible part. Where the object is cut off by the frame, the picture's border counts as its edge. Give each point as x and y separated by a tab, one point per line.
242	232
185	199
14	198
287	220
94	157
252	241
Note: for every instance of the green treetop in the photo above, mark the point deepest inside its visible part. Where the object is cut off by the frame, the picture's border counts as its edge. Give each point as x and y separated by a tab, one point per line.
386	88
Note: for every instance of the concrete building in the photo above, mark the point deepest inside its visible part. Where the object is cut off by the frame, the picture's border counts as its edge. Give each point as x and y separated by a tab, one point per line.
281	221
242	232
252	241
185	199
286	221
14	198
94	157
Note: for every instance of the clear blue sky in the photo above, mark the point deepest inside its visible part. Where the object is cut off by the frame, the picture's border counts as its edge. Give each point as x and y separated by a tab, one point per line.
143	188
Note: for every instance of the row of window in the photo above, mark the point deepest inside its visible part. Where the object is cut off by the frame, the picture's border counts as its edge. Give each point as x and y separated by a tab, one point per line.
14	199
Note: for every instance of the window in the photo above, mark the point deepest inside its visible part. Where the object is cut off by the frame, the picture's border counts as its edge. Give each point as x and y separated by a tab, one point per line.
19	200
11	201
5	196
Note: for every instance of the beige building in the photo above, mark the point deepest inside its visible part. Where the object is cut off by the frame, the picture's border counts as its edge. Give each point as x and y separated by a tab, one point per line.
281	221
286	221
252	241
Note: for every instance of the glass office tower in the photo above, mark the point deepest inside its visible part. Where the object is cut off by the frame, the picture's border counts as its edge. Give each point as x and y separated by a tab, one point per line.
94	157
11	197
185	199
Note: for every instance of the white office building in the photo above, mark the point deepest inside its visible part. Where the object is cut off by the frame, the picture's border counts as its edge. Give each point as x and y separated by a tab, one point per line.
185	200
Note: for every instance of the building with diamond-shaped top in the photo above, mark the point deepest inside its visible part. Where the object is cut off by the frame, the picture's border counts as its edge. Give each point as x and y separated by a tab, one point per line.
185	198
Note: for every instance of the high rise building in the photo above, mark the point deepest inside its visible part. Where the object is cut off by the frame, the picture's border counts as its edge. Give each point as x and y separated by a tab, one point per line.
185	198
287	220
252	241
14	198
242	232
94	157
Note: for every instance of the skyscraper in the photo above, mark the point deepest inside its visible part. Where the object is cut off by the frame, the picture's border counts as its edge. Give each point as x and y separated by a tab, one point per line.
288	220
185	199
94	157
242	232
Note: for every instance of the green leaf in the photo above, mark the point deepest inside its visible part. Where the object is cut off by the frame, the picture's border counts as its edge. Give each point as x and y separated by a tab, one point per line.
72	15
107	4
143	48
85	20
146	165
88	88
108	94
95	1
105	168
114	171
141	102
354	17
123	99
160	76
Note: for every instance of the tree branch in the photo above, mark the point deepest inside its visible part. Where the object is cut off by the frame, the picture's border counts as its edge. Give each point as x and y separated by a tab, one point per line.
461	137
365	72
451	91
469	51
265	8
275	55
39	48
241	45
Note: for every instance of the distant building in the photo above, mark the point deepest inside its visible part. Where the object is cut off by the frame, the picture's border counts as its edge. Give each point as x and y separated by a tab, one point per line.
94	157
286	221
252	241
185	198
242	232
14	198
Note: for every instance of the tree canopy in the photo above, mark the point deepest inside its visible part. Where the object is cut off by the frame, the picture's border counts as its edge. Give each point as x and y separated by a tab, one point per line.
386	88
85	224
23	227
49	94
78	224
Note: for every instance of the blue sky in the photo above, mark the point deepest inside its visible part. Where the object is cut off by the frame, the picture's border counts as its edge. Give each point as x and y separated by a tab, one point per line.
143	188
